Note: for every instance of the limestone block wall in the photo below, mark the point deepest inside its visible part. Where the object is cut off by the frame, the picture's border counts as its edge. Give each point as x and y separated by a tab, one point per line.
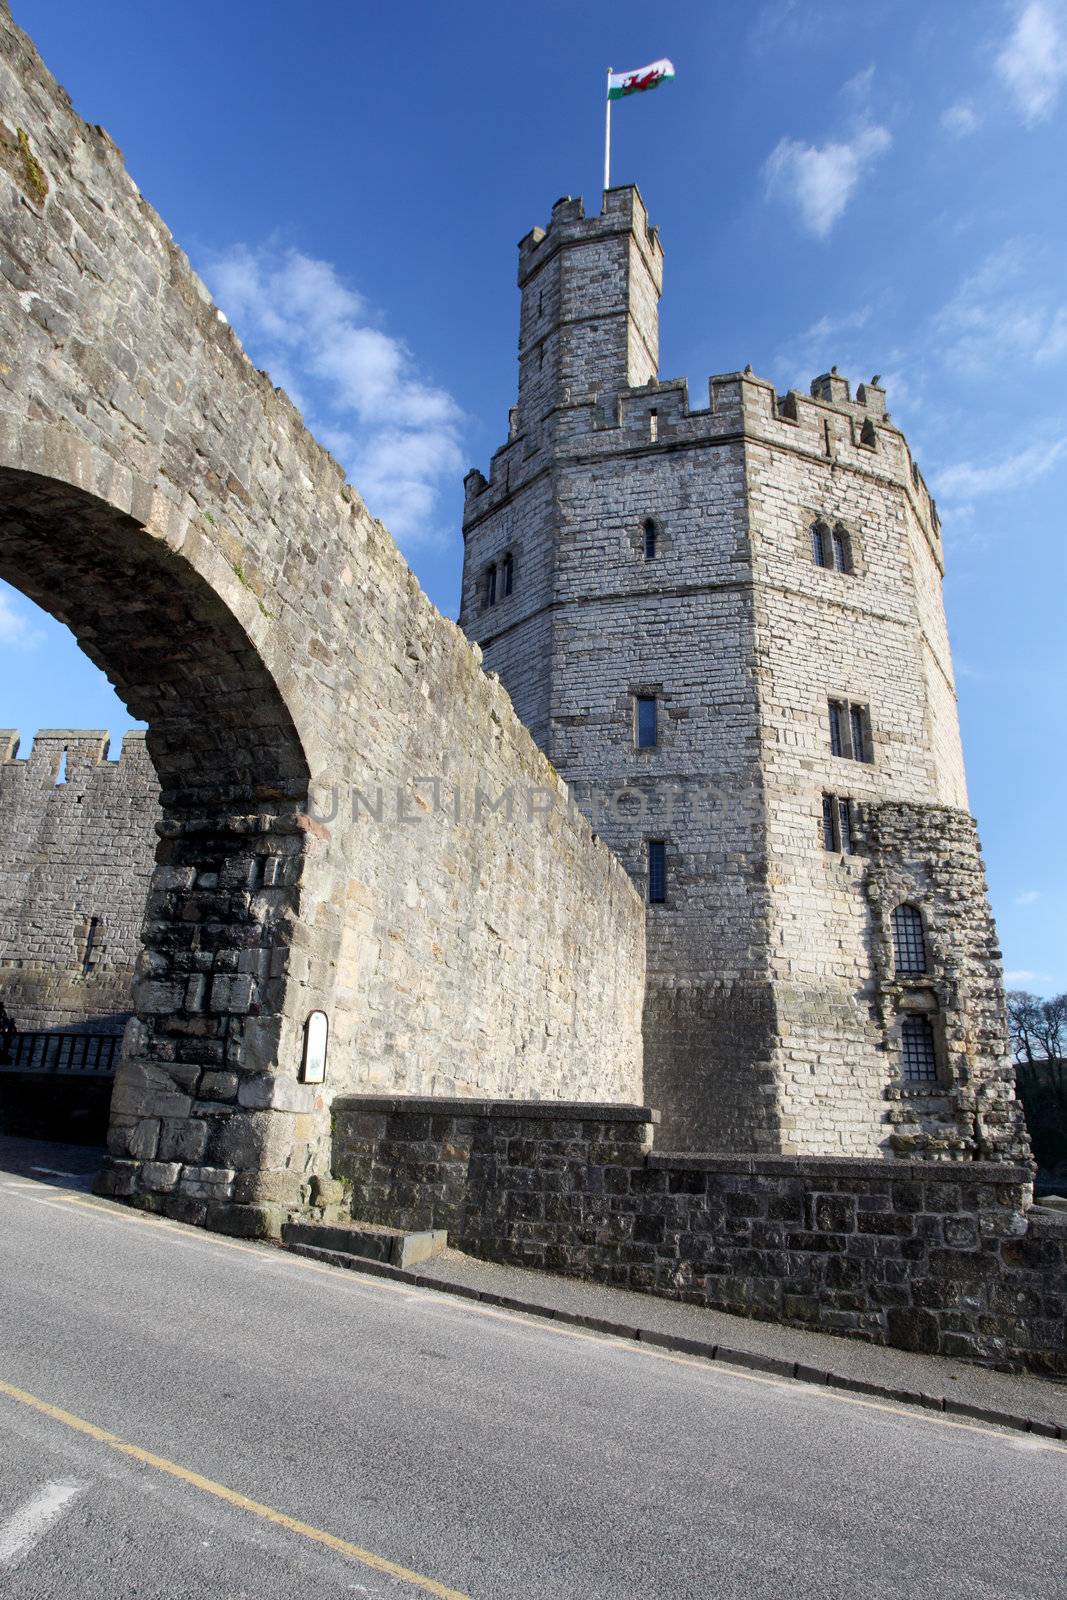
76	856
924	1255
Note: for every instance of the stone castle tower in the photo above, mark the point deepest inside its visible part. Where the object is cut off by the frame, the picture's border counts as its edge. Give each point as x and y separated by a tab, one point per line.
724	626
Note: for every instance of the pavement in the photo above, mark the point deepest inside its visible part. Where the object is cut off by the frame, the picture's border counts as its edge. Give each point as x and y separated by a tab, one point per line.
182	1414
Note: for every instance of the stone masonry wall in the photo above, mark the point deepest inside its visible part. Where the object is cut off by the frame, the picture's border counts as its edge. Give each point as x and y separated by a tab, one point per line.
922	1255
76	857
164	499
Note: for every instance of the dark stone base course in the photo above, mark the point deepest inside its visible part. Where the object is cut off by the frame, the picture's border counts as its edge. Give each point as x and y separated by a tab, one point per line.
943	1257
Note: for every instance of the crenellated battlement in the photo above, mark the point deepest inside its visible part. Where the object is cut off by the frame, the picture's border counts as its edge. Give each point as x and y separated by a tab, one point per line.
827	424
623	212
84	748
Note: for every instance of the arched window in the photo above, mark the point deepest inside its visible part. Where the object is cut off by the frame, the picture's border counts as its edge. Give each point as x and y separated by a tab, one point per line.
820	545
918	1053
507	576
909	942
650	540
842	550
490	584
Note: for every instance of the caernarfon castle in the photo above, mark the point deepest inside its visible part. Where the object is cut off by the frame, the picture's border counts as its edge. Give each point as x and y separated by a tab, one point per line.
634	928
722	623
735	876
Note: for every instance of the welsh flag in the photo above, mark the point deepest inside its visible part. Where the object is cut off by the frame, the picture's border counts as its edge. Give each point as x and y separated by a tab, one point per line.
621	84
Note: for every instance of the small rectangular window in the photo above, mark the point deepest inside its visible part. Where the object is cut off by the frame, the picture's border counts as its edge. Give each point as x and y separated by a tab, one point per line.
650	540
657	872
507	575
838	831
829	836
647	722
837	728
653	426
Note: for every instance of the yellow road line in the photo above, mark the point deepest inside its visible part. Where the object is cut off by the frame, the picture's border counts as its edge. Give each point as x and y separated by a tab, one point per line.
198	1236
219	1490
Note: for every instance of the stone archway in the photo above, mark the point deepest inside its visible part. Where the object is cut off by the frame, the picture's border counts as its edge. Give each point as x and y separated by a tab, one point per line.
195	1125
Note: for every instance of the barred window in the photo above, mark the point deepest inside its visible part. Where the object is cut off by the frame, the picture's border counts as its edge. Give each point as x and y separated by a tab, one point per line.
820	552
909	943
507	575
657	872
917	1051
490	585
647	729
842	550
650	537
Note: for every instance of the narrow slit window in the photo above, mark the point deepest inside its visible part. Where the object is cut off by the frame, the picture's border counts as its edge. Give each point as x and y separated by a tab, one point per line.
657	872
917	1050
837	728
844	827
650	540
507	575
90	942
857	727
829	835
909	941
653	426
490	585
647	722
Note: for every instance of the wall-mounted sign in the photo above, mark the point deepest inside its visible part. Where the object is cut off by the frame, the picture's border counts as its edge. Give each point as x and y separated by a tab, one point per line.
316	1033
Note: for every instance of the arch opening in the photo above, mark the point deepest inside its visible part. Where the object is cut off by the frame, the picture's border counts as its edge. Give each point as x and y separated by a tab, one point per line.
210	991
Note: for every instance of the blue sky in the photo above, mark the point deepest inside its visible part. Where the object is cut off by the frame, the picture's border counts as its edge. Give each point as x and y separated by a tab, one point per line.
876	187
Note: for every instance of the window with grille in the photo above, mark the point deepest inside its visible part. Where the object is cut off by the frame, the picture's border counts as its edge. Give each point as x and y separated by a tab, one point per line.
647	722
507	576
657	872
838	833
490	585
909	942
842	550
820	552
650	540
917	1051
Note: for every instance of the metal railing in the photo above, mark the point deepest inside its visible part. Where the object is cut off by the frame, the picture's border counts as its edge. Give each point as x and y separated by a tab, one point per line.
94	1055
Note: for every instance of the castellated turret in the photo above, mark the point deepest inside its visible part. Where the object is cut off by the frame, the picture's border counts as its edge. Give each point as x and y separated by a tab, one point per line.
724	626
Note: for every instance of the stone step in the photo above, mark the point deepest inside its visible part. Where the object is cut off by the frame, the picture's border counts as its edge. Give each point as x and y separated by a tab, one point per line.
370	1241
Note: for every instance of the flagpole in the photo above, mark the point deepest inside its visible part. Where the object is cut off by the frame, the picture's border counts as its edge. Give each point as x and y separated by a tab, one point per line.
607	135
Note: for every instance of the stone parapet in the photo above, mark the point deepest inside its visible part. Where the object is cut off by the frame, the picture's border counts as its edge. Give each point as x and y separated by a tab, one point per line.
950	1259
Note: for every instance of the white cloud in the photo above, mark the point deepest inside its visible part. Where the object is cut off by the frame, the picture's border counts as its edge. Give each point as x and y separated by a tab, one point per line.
960	120
1033	63
17	630
1000	314
820	180
1013	472
395	434
1027	897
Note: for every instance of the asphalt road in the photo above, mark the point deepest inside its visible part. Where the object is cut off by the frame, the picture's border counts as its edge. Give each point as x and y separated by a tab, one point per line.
182	1415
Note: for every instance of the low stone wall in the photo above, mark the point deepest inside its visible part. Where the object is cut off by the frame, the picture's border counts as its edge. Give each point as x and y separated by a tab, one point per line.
943	1257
